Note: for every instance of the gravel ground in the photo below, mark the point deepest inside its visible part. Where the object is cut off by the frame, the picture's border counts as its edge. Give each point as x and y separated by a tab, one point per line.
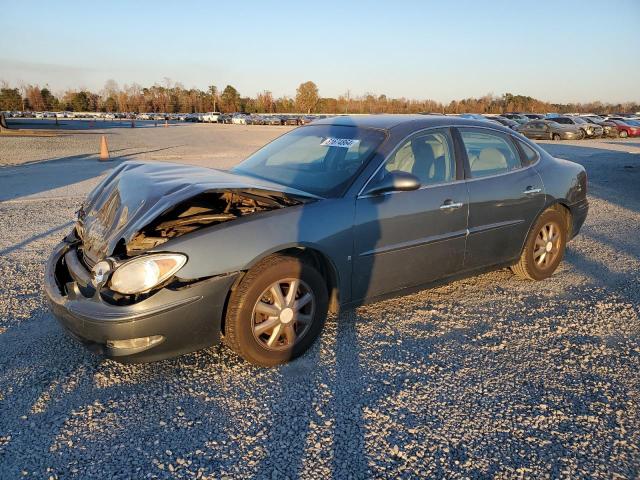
489	376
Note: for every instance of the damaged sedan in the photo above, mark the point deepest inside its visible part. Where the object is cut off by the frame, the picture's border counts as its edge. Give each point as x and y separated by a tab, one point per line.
166	259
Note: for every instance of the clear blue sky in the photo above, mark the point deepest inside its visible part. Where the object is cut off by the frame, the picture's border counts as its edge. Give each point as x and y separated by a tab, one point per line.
560	51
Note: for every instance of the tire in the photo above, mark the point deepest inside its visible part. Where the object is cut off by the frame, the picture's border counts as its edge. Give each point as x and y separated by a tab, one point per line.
623	134
539	260
555	137
254	293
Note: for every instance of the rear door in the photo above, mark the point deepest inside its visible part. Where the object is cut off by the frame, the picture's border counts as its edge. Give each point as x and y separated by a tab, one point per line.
506	194
404	239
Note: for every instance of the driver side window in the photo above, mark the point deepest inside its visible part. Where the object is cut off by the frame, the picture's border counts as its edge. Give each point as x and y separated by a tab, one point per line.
428	156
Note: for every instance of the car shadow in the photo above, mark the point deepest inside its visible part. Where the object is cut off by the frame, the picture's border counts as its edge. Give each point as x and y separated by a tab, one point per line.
23	180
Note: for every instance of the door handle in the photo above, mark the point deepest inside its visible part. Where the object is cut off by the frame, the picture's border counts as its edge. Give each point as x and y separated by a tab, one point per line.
450	205
531	190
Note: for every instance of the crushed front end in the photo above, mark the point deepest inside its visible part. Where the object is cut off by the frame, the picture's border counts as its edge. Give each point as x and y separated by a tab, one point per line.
177	318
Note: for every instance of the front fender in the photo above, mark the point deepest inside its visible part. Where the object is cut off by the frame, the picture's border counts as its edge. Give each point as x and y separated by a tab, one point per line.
324	225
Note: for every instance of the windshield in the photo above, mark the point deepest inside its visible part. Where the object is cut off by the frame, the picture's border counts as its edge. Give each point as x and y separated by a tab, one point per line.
319	159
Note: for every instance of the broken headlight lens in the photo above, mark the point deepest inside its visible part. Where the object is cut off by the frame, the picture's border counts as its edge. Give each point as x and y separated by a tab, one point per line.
143	273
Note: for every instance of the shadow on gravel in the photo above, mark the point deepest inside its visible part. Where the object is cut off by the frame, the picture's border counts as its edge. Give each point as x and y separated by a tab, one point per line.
39	236
37	177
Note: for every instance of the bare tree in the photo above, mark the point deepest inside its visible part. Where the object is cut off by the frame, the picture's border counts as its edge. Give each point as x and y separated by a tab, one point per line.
307	96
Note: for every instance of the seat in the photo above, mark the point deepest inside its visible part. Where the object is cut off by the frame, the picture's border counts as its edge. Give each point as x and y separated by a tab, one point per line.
489	159
424	158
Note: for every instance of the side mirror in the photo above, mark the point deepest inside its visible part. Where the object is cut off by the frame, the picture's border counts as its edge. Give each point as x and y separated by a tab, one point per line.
395	181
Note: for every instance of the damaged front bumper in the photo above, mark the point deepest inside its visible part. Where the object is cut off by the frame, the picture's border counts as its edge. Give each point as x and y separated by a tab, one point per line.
168	323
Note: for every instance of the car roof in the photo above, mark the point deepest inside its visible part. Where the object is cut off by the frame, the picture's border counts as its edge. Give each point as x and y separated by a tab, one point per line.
390	121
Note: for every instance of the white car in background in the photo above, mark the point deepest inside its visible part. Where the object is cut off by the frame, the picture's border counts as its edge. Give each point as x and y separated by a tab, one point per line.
211	117
239	119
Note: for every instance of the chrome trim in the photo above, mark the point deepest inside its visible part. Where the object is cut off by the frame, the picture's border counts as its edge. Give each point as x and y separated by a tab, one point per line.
451	206
494	226
472	179
529	191
424	187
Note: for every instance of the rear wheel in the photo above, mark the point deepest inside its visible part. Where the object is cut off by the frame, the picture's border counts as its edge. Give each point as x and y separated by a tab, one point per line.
544	248
277	311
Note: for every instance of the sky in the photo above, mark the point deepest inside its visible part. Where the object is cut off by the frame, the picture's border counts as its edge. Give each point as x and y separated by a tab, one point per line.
557	51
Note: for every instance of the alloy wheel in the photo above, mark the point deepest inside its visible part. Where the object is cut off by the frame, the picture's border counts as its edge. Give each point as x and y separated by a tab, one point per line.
283	314
547	245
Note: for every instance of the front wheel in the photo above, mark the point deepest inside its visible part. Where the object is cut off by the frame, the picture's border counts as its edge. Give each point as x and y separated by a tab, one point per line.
555	137
623	134
277	311
544	248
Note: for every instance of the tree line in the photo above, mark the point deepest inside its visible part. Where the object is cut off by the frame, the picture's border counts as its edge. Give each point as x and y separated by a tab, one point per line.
170	97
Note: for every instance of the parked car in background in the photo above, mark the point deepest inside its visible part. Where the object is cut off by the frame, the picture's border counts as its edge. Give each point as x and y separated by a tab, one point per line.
167	258
306	119
589	129
507	122
239	119
624	129
591	116
534	116
273	120
257	119
211	117
550	130
291	120
608	130
521	119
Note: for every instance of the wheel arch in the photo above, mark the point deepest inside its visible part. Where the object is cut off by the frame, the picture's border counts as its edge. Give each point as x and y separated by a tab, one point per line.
307	253
558	205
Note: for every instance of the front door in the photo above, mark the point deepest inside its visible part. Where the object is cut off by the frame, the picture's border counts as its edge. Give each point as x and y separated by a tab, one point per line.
405	239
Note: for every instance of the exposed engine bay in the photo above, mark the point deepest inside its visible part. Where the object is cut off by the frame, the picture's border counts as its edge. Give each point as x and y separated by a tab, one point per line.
205	209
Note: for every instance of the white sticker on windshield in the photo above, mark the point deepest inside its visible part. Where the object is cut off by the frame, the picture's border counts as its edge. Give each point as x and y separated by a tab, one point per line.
339	142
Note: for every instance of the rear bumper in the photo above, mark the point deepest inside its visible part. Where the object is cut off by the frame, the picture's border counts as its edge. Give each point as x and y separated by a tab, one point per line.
579	213
184	319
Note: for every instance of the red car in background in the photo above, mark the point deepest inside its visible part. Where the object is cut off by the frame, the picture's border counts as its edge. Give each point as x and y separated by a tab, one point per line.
624	129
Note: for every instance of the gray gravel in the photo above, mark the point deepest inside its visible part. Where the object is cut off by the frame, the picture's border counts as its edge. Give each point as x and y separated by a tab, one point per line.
489	376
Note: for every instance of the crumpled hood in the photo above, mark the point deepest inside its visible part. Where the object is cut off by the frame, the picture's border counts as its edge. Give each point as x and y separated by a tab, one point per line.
135	193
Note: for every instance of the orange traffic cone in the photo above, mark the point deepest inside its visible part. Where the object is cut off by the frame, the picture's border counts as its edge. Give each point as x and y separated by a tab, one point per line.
104	150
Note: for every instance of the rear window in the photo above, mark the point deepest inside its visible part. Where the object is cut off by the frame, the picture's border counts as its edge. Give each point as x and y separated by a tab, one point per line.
529	155
489	153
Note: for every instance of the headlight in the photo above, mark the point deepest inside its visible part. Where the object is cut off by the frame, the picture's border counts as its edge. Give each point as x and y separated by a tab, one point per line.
142	274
